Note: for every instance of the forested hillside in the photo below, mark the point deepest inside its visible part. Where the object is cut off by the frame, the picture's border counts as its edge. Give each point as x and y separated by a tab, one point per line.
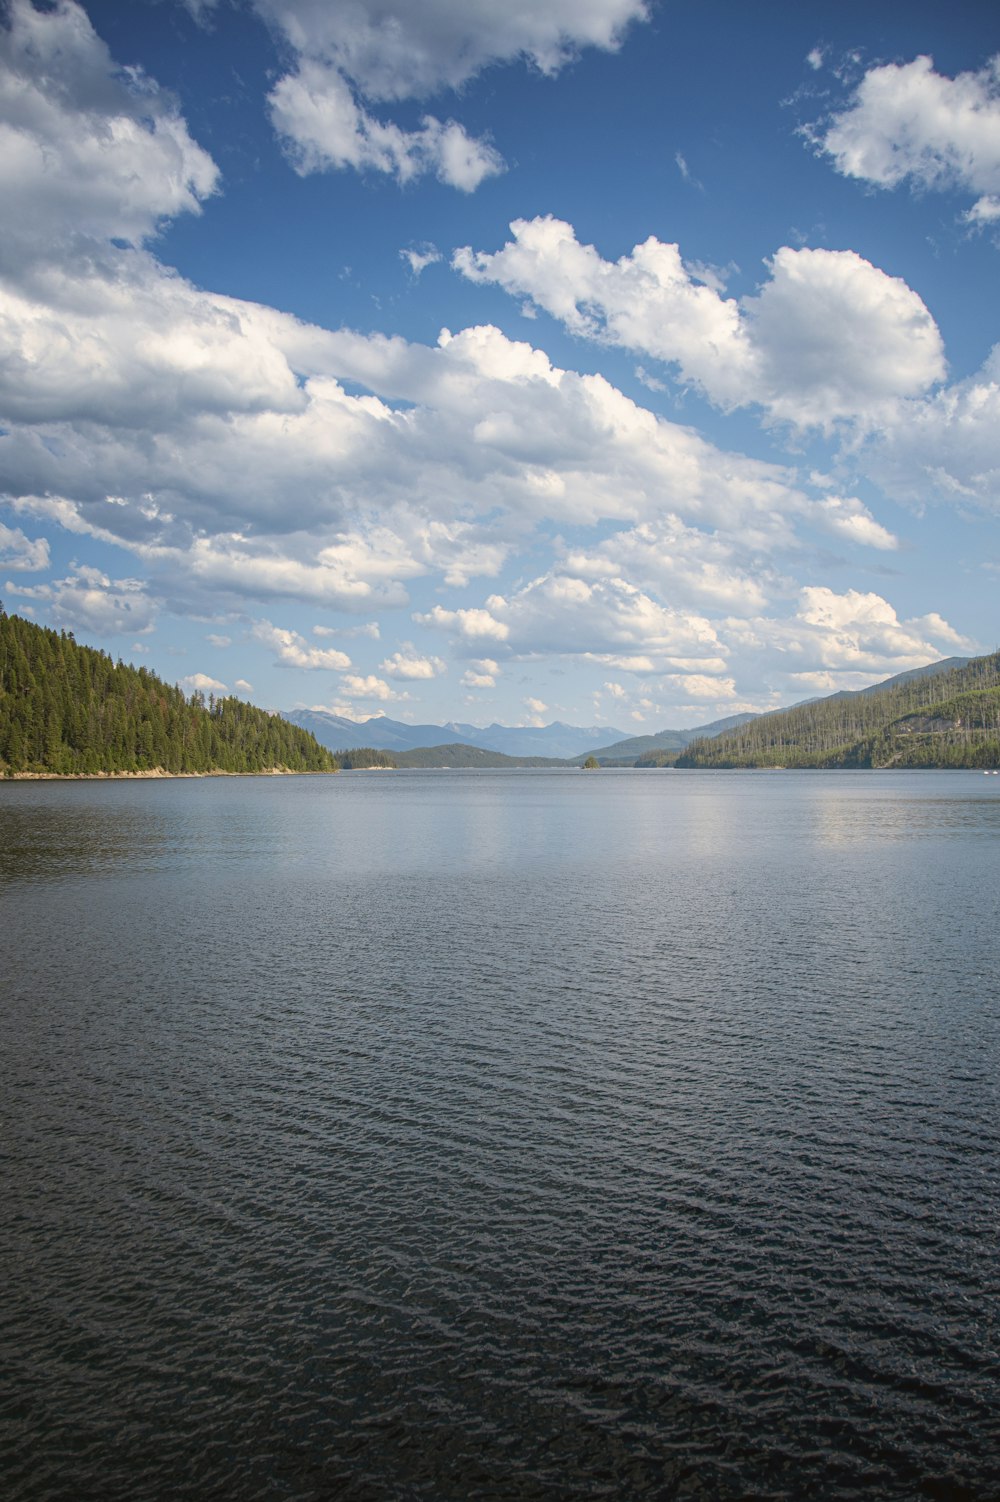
950	719
363	758
661	749
69	709
459	755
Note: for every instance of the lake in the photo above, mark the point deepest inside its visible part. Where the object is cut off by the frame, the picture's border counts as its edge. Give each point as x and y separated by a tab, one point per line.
528	1135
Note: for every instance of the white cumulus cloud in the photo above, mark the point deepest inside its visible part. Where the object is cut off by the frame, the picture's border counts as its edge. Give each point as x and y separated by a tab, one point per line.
347	56
88	600
471	624
648	301
828	337
680	562
482	672
947	446
369	686
418	258
847	517
408	51
324	126
293	650
856	633
703	686
562	614
22	554
407	663
85	146
908	123
201	683
839	338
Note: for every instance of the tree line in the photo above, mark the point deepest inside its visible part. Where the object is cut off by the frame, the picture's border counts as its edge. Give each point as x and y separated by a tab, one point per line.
66	708
364	756
947	719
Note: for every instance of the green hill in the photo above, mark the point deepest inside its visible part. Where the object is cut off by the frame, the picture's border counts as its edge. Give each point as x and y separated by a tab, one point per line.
945	719
456	754
70	710
660	749
363	759
461	755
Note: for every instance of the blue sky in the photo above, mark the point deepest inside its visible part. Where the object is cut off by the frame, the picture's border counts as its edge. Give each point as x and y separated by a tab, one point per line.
613	362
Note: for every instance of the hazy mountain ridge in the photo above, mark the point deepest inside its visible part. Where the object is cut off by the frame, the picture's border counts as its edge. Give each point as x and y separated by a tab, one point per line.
637	746
939	716
556	741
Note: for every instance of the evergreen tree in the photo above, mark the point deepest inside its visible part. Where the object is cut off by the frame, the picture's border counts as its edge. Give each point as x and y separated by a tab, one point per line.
948	719
67	709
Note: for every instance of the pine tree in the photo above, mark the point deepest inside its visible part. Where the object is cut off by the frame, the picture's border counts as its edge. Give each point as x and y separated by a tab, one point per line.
65	708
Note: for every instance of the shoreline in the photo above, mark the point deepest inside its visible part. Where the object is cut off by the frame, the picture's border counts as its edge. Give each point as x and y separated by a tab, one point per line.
159	774
152	774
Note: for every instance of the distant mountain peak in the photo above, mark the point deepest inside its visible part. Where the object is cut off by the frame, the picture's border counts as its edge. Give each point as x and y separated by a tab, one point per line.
558	740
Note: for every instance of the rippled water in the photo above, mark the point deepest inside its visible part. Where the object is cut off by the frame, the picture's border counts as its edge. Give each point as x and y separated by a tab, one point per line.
532	1135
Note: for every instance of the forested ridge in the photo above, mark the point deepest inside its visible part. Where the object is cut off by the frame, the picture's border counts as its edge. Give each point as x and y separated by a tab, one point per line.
69	709
460	755
949	720
363	758
454	755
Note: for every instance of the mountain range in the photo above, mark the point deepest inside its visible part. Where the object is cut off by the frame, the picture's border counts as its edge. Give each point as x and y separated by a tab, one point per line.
557	741
562	742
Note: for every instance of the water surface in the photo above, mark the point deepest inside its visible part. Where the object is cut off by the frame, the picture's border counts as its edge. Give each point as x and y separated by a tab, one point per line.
501	1135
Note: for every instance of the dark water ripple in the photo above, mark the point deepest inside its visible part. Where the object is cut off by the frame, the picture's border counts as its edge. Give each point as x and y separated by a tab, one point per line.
531	1136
